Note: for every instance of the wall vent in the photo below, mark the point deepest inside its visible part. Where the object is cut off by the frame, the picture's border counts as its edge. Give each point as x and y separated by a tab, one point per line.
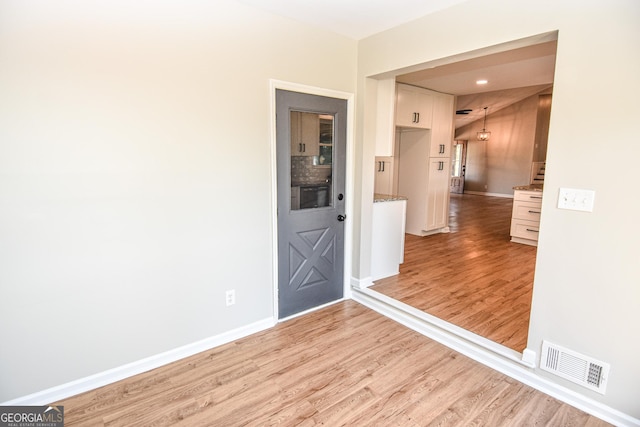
574	367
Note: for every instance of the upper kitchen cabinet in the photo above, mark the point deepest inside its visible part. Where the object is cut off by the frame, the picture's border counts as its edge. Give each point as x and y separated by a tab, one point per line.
305	134
414	107
384	179
409	107
442	125
385	117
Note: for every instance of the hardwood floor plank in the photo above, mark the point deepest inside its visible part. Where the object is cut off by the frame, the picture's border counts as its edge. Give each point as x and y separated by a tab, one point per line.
342	365
473	277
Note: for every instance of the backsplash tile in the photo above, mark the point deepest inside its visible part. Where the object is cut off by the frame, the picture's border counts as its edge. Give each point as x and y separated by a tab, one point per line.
303	171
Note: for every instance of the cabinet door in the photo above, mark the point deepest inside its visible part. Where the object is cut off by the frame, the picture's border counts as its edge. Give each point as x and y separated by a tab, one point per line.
442	126
438	194
385	117
384	175
305	134
414	107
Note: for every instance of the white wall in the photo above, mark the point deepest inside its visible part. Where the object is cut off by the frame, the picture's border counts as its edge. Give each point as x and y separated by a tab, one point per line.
135	175
505	160
586	292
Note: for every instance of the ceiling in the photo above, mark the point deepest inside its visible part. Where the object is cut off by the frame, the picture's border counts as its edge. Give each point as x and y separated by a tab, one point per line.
355	19
512	75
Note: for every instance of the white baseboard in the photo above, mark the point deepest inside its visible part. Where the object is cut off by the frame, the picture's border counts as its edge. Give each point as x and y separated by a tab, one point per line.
496	358
483	193
110	376
361	283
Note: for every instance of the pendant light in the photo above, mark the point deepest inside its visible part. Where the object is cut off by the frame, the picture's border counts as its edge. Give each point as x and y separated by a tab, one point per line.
484	135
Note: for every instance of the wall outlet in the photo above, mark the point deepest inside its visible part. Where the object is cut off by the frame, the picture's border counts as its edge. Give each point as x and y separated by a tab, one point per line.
230	297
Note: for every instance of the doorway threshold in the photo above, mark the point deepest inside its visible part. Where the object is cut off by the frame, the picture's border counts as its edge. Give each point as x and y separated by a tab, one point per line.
476	347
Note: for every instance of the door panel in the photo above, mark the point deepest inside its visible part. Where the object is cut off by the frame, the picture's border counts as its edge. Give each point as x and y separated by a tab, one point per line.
311	197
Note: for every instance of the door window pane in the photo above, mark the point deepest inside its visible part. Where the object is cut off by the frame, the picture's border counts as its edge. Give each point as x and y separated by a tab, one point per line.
311	160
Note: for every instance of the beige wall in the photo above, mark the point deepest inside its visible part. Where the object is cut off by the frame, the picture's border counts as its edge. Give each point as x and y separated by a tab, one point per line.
586	293
135	181
505	160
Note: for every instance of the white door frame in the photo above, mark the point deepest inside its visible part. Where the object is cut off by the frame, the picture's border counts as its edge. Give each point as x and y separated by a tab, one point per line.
349	183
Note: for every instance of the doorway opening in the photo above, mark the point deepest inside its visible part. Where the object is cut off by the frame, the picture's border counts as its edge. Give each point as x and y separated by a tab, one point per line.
486	193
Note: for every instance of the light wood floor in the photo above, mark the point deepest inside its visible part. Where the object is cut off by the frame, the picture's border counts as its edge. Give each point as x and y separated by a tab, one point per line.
473	277
342	365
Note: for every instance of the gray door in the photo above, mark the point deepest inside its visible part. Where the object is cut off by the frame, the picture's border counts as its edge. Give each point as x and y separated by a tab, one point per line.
311	159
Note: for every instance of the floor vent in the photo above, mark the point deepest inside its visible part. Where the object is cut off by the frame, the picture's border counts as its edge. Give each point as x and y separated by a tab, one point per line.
574	367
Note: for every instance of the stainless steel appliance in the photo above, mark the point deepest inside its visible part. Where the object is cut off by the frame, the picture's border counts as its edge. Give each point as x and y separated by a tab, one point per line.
314	196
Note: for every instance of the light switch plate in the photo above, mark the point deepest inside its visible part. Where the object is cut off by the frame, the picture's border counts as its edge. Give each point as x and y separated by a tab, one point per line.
576	199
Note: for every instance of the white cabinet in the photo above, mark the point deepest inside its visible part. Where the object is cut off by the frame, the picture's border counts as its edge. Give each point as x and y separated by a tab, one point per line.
424	169
384	175
385	116
525	217
442	125
424	181
438	193
414	107
305	134
387	238
417	162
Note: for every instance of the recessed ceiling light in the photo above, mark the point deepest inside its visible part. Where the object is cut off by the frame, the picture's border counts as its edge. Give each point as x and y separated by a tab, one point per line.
482	82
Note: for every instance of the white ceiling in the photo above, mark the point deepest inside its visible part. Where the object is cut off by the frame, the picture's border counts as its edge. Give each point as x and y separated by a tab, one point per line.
356	19
512	75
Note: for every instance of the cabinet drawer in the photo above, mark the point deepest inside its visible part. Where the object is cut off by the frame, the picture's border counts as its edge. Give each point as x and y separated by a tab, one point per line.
528	196
525	229
526	210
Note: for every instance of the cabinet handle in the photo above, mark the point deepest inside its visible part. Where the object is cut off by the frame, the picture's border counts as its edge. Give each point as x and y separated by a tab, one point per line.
379	167
535	197
534	212
382	166
418	121
441	149
532	230
304	148
440	166
299	148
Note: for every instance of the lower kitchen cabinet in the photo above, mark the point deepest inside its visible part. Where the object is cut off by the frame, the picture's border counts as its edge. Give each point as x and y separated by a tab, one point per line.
525	217
387	238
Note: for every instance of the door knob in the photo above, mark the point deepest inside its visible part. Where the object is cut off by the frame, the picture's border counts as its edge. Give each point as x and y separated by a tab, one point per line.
341	218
